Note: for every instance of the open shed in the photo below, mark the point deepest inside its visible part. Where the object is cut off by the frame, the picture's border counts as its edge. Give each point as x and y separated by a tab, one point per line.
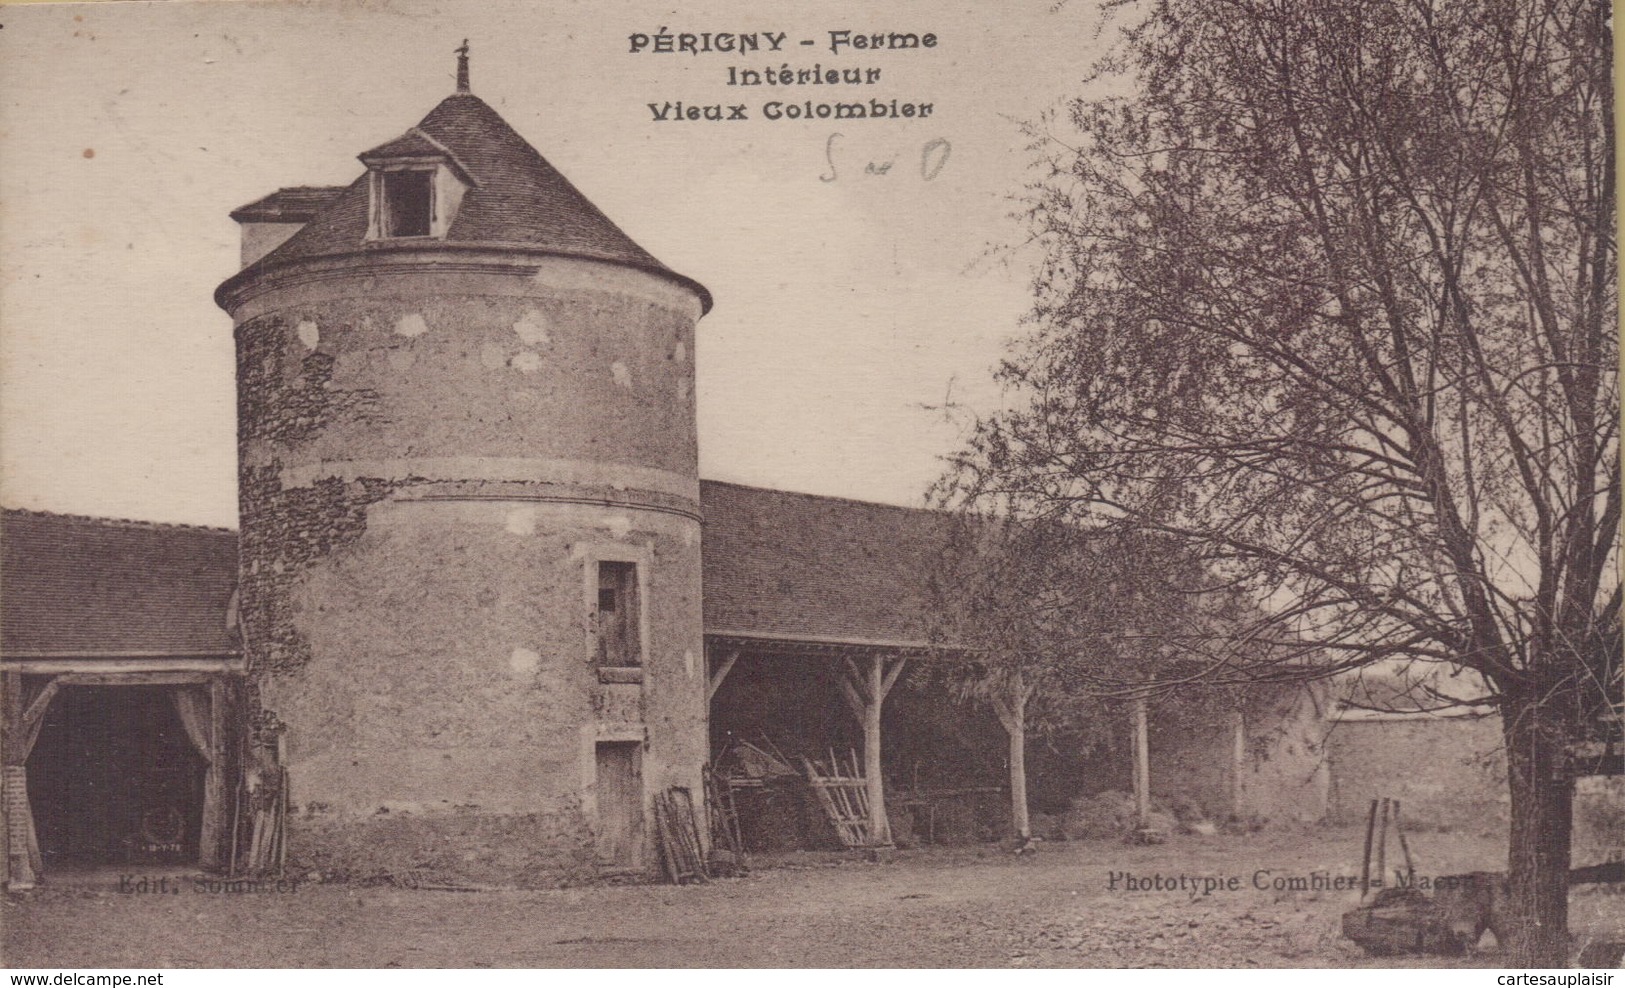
121	663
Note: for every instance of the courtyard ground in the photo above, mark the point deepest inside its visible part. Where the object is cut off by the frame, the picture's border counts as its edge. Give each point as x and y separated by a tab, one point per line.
943	907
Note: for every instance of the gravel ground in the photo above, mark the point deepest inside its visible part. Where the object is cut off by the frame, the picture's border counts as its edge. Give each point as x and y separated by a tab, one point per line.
964	907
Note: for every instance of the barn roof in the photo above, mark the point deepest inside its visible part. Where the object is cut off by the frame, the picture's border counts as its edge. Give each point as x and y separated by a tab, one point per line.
776	566
71	585
516	200
780	565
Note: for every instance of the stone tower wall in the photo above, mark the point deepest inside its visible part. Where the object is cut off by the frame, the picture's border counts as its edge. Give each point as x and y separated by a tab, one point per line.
436	450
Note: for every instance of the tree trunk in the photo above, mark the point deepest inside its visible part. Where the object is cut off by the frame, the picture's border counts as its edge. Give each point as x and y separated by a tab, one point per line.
1012	711
1017	728
1542	792
1142	767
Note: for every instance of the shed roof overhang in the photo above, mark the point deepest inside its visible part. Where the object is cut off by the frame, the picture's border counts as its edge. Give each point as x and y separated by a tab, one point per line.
781	643
64	662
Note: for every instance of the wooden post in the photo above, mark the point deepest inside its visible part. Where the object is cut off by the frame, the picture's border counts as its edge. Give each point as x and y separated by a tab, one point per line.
1365	862
1404	845
21	727
865	691
11	717
1382	845
1142	766
214	780
879	826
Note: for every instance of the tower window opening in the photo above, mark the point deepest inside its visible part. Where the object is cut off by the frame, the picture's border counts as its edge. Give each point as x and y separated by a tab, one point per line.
617	618
408	203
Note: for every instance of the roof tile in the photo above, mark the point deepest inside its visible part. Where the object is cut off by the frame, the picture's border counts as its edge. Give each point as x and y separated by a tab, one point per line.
519	199
822	568
96	586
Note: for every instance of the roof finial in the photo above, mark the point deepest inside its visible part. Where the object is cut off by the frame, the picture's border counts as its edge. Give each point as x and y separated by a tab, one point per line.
462	67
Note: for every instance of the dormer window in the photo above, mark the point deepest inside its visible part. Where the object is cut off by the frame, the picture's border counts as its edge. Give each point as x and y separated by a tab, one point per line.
416	186
407	209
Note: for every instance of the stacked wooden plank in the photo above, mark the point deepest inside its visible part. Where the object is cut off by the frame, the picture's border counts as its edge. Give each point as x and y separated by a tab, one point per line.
843	794
724	814
267	821
259	826
682	854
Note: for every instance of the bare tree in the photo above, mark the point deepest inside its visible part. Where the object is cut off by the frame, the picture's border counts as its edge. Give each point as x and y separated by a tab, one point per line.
1051	625
1330	298
1008	610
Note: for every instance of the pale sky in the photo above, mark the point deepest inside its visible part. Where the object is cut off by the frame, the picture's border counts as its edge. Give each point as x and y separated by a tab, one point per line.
846	310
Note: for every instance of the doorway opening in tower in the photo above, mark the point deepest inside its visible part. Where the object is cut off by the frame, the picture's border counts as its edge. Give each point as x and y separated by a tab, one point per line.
115	777
942	762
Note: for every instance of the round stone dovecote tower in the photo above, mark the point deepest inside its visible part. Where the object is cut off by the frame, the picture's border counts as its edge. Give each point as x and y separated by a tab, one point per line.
470	550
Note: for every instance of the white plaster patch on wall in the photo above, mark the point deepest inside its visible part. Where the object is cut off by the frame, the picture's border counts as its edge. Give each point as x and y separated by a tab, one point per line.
681	353
524	661
688	661
682	388
411	325
493	356
402	359
622	376
618	525
532	328
527	361
688	536
522	521
309	335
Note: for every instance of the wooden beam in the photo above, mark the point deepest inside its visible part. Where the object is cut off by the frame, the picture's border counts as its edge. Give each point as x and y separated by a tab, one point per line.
54	664
11	696
854	700
37	709
853	673
891	676
133	679
720	674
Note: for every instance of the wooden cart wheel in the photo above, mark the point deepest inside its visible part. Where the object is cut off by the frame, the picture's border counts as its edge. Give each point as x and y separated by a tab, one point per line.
162	825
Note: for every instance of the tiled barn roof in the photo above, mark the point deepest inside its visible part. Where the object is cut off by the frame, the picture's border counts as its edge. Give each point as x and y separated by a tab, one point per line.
518	200
76	585
776	565
819	569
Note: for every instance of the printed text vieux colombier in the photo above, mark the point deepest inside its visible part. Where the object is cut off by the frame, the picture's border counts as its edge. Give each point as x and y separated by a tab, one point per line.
784	74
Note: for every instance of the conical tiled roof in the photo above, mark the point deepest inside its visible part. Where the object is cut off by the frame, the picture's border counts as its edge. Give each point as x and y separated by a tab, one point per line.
516	200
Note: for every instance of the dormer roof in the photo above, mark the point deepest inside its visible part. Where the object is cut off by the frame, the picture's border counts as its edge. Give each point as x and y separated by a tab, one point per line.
515	200
415	145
